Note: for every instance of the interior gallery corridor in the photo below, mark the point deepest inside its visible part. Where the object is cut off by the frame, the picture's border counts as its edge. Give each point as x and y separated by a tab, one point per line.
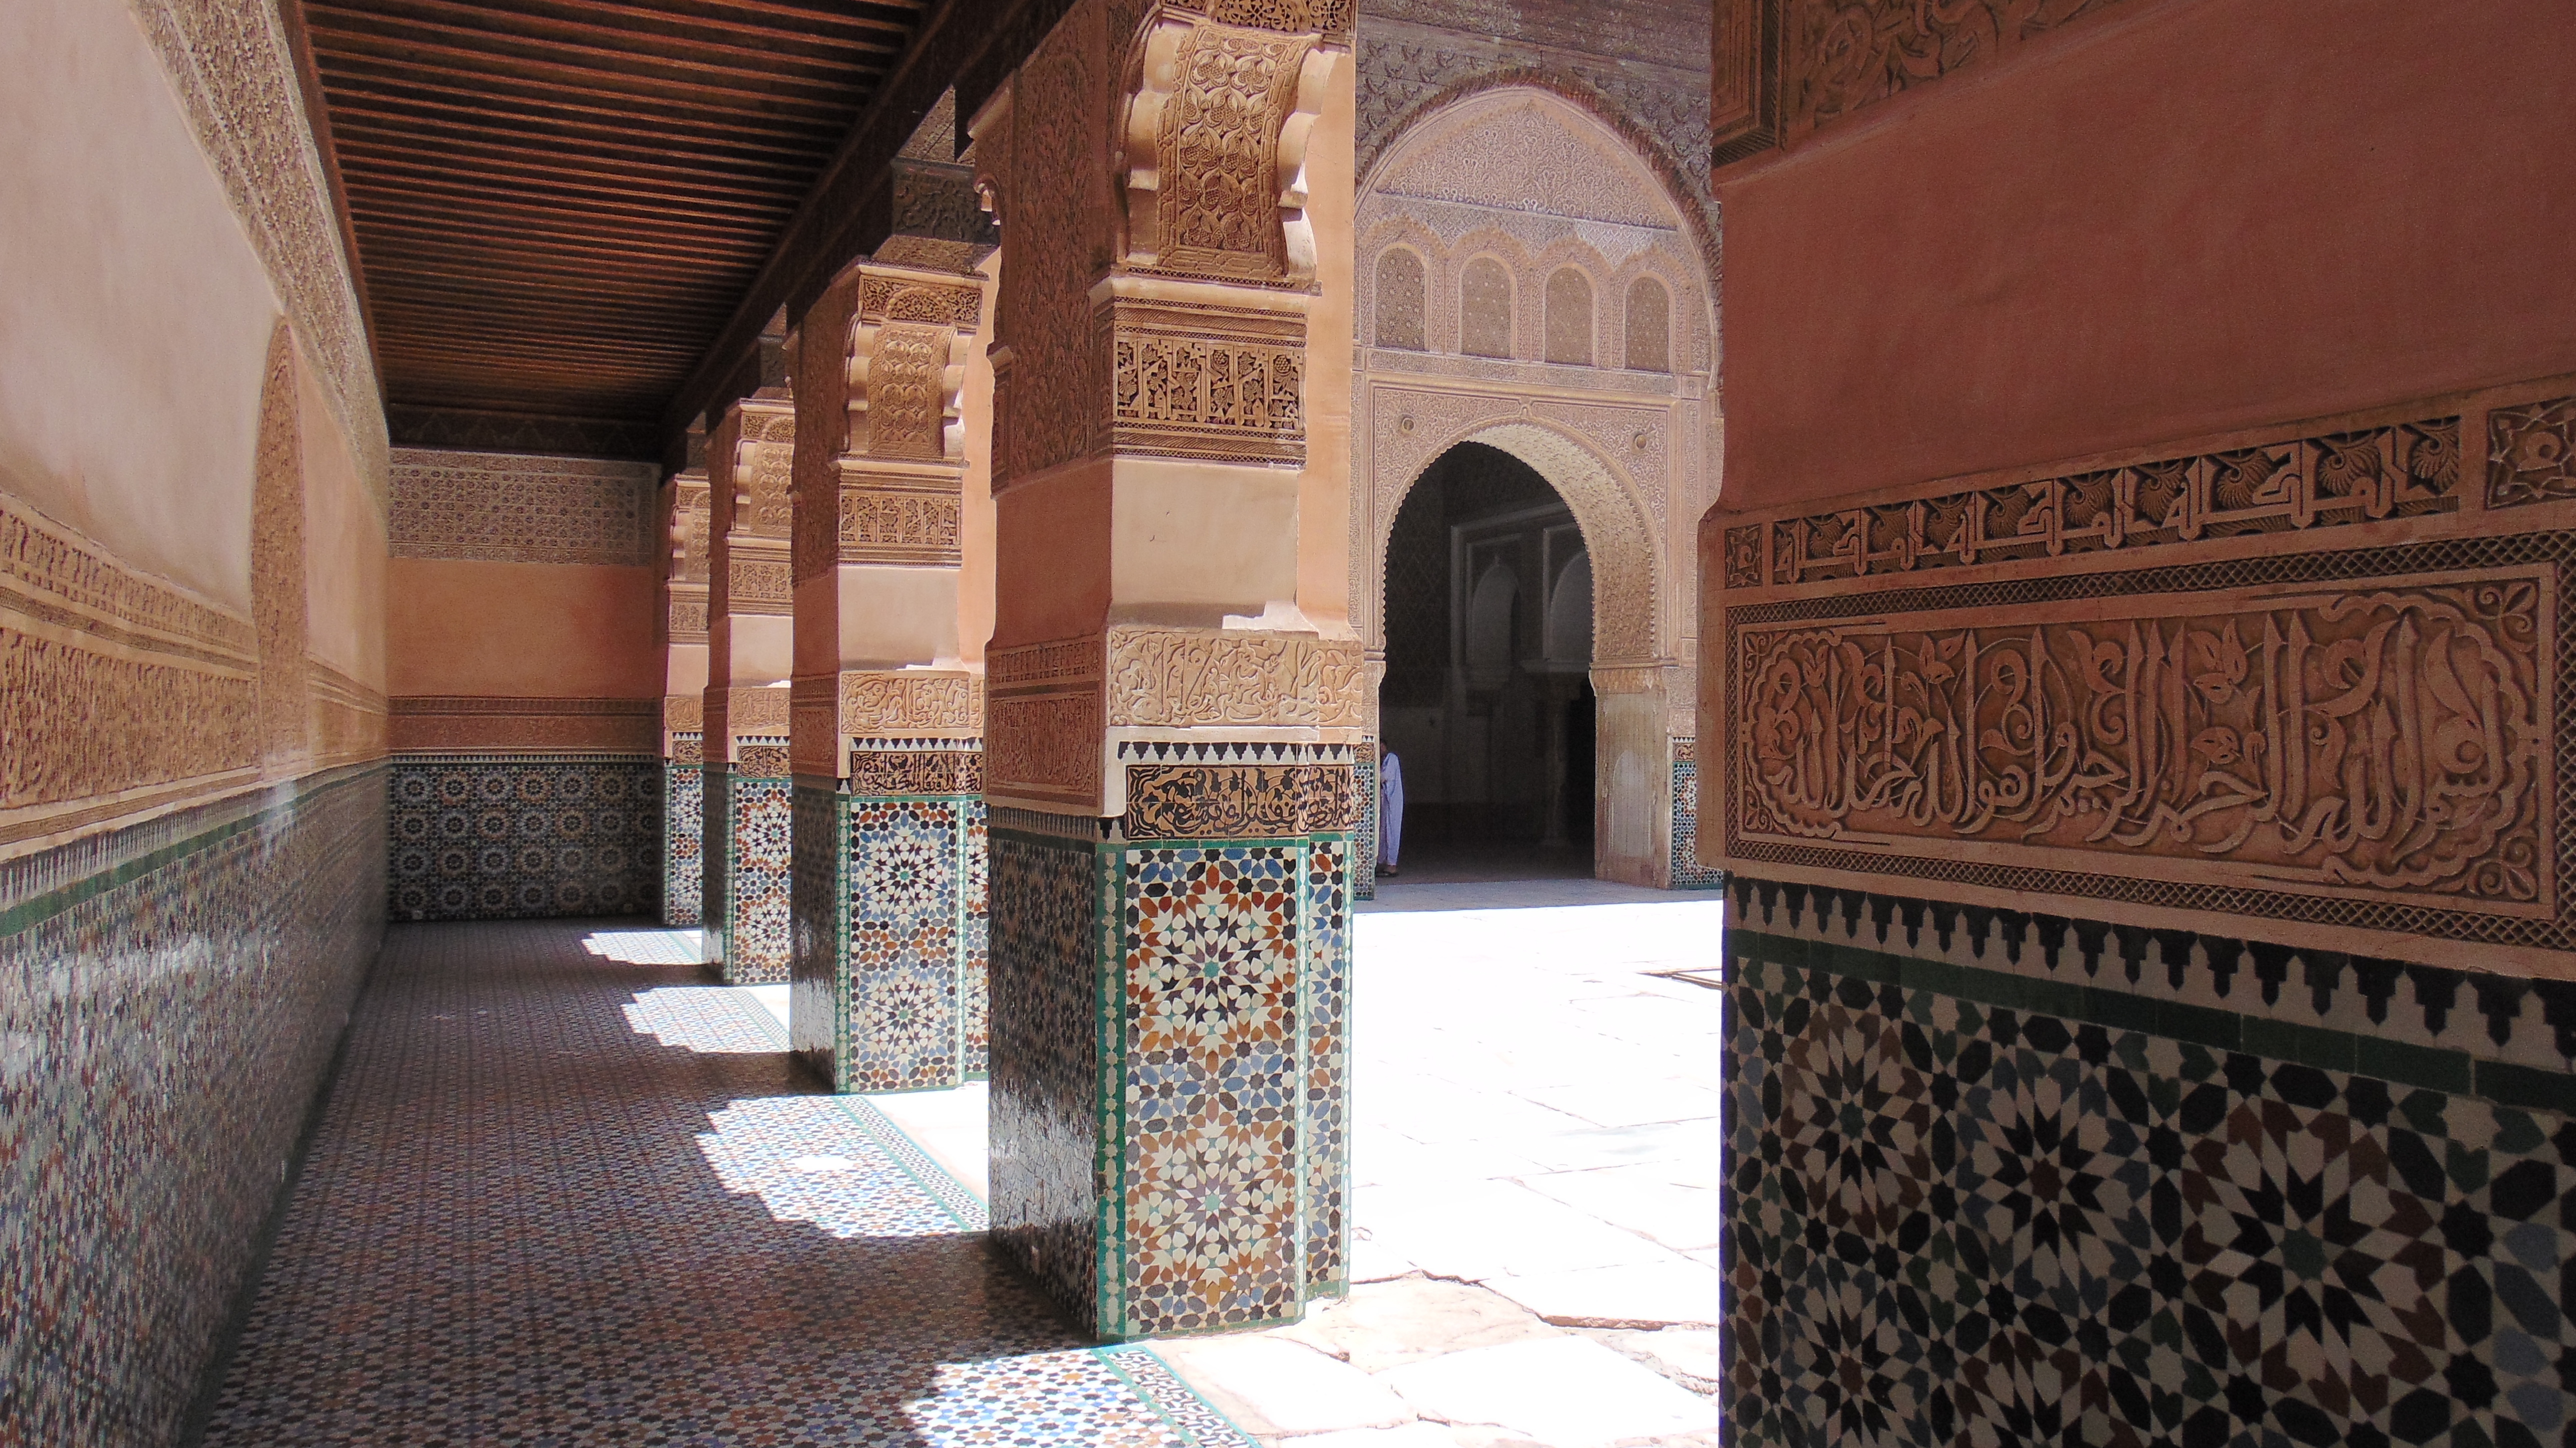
564	1190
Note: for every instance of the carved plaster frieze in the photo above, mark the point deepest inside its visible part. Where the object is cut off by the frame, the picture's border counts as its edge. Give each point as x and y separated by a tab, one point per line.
907	297
1238	801
2332	480
887	525
758	583
2531	453
1045	747
688	614
909	704
916	771
683	713
1044	736
497	507
1199	380
2298	680
1162	678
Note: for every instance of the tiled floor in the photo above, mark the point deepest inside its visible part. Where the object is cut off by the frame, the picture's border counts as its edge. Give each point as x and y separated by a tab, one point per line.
1535	1146
565	1192
1536	1158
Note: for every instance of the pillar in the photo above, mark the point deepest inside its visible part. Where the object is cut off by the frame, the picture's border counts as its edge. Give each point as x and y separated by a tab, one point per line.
684	593
1174	689
750	622
886	725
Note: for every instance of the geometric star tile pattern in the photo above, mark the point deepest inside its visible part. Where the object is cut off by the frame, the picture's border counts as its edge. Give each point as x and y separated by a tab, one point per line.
1957	1222
683	840
559	1196
507	837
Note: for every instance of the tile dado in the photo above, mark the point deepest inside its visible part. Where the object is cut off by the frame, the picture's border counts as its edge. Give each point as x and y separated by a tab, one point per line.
1170	1070
522	836
1688	872
2301	682
890	907
169	997
746	905
684	793
1971	1204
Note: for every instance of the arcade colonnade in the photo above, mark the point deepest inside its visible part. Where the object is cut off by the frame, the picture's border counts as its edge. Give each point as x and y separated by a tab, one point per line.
1132	417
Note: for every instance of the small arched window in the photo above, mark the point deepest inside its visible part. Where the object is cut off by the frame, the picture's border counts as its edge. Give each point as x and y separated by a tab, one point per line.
1569	317
1569	612
1485	309
1399	299
1649	326
1490	608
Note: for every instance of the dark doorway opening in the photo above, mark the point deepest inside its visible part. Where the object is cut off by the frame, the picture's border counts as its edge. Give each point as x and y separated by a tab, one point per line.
1487	699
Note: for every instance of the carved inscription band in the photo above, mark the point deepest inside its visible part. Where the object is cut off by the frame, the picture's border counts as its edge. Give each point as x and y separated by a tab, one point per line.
1238	801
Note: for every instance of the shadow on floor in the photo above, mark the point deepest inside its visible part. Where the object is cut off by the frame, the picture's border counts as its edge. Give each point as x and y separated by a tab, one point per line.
557	1197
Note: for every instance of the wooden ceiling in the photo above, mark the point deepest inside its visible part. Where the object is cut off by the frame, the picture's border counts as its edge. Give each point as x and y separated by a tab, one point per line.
557	205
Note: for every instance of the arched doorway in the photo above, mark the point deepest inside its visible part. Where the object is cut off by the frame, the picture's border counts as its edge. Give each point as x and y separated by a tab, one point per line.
1487	696
1528	282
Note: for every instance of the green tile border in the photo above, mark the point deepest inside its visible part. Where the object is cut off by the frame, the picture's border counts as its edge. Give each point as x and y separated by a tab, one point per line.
254	811
2397	1062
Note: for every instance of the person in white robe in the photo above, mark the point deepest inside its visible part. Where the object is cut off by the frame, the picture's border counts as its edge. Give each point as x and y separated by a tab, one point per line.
1390	810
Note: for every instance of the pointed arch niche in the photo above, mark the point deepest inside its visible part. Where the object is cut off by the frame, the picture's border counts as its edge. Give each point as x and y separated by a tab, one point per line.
1565	321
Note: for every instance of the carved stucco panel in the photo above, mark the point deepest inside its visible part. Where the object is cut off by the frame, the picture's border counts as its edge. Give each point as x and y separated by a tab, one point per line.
2384	740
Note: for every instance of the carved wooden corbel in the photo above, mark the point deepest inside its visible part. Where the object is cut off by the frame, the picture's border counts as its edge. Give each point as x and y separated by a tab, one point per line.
1212	148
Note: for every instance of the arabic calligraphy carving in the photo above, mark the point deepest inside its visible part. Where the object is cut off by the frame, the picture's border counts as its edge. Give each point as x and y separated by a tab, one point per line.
1237	801
1170	678
2388	739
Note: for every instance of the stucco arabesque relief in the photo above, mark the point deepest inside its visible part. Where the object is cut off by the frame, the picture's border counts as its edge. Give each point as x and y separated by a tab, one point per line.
2310	678
510	508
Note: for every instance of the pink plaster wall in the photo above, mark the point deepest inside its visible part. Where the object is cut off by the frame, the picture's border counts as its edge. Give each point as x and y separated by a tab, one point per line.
522	630
2185	218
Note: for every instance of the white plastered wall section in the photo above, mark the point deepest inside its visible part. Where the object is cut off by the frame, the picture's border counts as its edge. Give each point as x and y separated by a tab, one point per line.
1529	179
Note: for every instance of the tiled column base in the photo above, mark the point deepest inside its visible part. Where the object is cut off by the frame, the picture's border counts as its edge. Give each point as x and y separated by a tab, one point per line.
745	905
1688	872
684	863
890	921
1364	839
1169	1075
1996	1176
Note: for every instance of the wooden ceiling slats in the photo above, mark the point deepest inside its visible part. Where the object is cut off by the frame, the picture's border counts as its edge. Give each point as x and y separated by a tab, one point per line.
428	292
644	32
436	250
483	210
576	187
642	78
397	128
558	204
504	99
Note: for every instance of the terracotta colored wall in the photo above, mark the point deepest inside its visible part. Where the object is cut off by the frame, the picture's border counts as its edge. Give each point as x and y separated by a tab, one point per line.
532	630
2180	219
344	546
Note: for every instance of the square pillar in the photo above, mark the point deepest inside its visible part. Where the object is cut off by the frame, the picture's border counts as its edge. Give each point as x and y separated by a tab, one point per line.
684	692
744	713
887	720
1175	694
